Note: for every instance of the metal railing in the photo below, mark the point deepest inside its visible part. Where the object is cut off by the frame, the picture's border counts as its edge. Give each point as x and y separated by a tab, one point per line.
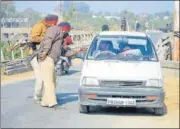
14	65
79	39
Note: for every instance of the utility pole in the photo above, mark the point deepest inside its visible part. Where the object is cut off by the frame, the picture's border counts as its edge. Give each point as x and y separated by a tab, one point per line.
176	28
60	10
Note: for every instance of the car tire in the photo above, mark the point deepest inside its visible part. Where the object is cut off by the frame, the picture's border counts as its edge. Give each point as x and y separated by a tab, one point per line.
160	111
83	109
66	72
60	71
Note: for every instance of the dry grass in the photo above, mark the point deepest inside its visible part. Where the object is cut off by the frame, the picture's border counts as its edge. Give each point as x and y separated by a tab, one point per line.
5	79
172	94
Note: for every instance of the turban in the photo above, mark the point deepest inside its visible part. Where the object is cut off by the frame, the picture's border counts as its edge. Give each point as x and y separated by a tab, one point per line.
65	26
51	19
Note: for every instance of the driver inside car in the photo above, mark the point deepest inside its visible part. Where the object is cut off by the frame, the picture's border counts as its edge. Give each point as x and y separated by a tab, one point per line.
104	46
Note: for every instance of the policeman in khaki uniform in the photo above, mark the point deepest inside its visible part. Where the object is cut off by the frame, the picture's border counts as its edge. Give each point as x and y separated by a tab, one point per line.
52	44
36	36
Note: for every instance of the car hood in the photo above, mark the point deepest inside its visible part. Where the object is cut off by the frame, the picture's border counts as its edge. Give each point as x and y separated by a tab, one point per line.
122	70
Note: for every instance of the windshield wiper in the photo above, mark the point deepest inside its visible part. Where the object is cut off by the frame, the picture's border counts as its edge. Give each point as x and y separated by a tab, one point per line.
104	58
133	57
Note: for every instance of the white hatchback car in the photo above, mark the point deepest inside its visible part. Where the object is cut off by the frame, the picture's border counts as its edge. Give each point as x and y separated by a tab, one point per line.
121	69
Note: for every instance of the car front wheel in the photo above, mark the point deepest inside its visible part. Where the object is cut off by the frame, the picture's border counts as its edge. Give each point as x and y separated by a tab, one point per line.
83	109
160	111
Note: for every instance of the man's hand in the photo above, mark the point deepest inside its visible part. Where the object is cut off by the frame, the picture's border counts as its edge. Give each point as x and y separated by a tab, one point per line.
82	49
43	55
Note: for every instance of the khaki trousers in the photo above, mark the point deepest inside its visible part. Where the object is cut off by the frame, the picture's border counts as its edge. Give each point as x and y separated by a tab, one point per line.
39	82
49	79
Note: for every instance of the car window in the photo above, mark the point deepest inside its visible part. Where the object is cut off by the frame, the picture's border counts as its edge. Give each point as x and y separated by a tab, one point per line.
121	48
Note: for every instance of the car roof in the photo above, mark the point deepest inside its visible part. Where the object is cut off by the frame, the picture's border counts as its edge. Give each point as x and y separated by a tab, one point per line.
124	33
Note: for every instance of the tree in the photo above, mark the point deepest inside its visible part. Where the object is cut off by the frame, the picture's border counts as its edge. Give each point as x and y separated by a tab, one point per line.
8	9
69	14
82	7
32	15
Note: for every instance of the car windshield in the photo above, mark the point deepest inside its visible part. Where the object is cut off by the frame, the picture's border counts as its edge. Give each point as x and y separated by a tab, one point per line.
125	48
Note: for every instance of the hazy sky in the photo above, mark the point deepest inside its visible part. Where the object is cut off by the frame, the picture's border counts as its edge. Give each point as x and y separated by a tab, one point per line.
96	6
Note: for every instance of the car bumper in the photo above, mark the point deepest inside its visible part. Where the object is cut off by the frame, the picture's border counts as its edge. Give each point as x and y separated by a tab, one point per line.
97	96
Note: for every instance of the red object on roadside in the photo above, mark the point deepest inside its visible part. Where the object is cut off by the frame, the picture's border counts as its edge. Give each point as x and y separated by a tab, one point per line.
9	49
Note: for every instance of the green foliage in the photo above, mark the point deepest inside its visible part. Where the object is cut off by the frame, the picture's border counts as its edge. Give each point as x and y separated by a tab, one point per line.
69	14
81	19
7	9
2	69
32	15
4	46
79	6
16	52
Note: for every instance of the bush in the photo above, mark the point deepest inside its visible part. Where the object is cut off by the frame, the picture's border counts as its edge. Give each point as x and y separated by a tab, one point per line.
16	52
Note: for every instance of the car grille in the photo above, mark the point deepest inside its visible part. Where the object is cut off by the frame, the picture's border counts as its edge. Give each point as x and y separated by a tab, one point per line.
138	98
121	96
120	83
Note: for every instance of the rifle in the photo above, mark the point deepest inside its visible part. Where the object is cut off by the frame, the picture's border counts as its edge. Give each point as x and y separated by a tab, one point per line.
30	57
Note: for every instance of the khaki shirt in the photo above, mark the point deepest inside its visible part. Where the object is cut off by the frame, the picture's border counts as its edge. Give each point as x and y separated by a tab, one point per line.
52	42
37	33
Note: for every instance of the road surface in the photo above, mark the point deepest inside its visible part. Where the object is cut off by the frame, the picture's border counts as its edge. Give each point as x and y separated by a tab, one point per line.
18	109
157	35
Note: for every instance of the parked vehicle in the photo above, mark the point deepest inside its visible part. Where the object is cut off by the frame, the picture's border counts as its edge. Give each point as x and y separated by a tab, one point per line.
121	69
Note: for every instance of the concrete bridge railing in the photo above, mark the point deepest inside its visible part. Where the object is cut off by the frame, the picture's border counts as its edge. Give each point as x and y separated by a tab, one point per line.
170	68
80	38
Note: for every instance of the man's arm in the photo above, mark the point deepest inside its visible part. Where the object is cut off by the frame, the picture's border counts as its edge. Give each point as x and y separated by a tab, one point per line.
36	34
48	39
73	52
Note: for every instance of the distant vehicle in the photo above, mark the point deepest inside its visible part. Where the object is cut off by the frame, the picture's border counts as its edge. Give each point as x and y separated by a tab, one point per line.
121	69
167	29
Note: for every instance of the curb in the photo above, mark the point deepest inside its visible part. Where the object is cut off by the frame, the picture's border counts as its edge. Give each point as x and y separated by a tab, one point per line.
16	81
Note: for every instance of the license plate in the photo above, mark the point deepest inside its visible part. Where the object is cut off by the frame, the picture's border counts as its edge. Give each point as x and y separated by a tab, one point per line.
118	101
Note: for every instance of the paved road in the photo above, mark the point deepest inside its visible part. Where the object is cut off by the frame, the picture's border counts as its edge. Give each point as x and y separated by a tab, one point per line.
19	110
157	35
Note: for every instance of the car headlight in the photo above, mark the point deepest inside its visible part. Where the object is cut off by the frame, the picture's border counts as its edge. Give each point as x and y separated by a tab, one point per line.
155	83
90	81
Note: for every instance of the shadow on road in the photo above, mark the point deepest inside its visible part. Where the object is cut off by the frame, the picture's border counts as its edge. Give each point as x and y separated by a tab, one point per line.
122	111
64	98
71	72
